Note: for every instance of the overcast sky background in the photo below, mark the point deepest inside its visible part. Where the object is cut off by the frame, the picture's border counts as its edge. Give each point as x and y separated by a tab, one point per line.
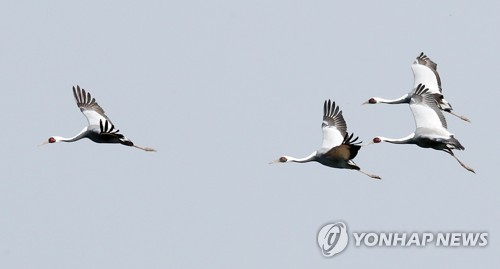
220	88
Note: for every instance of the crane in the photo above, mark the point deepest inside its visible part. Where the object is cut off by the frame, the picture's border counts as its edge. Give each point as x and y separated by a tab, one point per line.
431	128
424	72
338	147
100	129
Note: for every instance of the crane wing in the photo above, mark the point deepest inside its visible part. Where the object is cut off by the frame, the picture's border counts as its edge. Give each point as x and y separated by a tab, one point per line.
424	106
347	151
334	126
89	107
425	72
424	60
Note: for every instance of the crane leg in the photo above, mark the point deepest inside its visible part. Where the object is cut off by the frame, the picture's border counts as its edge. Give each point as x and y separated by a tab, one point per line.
459	161
356	167
145	149
463	164
459	116
370	175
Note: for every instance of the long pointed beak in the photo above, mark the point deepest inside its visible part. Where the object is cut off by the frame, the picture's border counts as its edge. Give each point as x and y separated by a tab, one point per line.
365	103
43	143
367	143
275	161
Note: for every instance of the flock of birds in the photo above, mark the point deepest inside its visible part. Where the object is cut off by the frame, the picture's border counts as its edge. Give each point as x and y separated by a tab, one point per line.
339	148
426	102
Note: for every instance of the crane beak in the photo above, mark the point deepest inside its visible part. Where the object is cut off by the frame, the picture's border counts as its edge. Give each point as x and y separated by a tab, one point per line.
368	143
43	143
365	103
275	161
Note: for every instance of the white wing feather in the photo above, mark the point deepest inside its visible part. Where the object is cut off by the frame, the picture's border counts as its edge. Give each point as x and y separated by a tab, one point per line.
424	75
426	112
89	107
93	117
334	126
331	137
425	117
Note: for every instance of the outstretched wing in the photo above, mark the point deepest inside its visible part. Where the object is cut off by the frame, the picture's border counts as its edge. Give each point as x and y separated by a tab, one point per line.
334	126
424	106
89	107
108	132
425	72
108	128
425	60
347	151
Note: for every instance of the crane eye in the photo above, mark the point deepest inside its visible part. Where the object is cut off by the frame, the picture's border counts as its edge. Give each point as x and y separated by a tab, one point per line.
283	159
52	140
372	101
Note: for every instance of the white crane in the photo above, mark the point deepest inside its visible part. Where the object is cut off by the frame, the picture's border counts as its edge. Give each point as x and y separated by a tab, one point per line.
424	72
338	148
431	128
100	128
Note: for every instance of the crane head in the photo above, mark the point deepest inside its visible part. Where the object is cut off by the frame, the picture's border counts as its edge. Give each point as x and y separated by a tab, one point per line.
49	141
372	101
282	159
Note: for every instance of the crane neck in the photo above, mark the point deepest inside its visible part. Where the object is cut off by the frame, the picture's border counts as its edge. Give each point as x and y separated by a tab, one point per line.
310	158
72	139
405	140
401	100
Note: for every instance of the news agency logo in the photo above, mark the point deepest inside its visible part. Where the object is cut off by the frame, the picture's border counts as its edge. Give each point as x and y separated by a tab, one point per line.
441	239
333	239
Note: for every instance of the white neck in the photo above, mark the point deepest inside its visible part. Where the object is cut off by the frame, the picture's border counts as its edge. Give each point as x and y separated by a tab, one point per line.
310	158
401	100
405	140
71	139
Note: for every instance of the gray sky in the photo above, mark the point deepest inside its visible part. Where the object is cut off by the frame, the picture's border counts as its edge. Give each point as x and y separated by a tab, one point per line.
220	88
